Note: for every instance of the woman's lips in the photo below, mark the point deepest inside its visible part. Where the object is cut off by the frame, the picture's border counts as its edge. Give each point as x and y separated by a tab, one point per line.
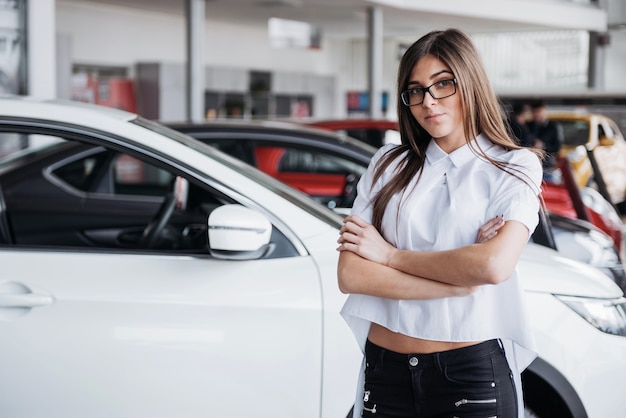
433	117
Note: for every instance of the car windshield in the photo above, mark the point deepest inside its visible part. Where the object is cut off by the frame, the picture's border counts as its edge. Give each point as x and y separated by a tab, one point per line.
294	196
575	132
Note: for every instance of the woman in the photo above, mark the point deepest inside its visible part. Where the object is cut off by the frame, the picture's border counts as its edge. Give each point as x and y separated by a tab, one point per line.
438	313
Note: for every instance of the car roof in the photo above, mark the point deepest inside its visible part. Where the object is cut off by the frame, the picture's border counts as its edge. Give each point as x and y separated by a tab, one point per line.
576	116
57	109
354	124
274	130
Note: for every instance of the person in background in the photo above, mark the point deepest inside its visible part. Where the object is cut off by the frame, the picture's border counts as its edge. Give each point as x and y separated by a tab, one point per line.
439	314
518	121
545	134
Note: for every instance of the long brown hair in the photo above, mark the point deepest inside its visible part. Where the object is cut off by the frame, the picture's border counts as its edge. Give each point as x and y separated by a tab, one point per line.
482	112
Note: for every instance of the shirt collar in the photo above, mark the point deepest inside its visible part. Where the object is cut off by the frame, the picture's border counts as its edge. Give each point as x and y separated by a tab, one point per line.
458	157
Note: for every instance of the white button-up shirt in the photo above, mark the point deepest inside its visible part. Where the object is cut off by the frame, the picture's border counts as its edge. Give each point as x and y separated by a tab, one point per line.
443	209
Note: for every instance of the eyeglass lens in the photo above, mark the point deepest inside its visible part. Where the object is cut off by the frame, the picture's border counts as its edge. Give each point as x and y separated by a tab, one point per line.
439	90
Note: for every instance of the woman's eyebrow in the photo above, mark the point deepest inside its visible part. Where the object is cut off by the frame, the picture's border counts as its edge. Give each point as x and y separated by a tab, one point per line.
441	72
437	74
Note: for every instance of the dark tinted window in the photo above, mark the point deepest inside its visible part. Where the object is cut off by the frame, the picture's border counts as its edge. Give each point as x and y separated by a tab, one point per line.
81	174
305	161
575	132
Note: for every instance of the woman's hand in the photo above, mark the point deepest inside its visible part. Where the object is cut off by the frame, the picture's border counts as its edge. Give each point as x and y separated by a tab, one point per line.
363	239
489	229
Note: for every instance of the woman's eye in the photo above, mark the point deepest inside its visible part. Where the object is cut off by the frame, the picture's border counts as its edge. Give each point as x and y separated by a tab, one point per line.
444	83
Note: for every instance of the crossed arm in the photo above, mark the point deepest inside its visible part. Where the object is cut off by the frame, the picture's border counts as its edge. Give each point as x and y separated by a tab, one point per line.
370	265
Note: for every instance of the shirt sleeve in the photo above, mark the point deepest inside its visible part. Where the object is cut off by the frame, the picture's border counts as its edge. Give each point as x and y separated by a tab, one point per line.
365	190
517	196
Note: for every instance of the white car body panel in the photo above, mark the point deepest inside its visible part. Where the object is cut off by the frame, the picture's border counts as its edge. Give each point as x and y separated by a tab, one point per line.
544	270
151	326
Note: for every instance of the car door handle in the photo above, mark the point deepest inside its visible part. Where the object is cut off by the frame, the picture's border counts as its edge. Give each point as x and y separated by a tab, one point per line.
31	300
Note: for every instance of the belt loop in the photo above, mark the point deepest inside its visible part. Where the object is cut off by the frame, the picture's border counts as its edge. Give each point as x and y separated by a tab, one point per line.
438	363
501	344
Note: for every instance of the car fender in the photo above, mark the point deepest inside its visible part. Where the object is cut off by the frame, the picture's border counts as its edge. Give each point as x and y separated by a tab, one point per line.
541	369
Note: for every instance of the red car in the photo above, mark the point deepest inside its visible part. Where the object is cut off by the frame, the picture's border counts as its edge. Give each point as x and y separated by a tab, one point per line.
564	198
567	199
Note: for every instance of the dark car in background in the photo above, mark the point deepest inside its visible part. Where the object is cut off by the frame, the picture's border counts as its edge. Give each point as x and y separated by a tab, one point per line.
324	165
327	166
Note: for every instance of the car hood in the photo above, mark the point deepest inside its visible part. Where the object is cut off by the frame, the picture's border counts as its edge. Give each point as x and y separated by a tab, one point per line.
543	270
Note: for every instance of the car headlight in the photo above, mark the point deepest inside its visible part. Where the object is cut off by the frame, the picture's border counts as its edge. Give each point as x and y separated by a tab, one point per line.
607	315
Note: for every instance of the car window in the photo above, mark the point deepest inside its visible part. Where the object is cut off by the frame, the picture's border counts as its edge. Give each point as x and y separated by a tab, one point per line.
602	133
135	177
305	161
73	194
10	143
575	132
374	137
239	149
80	174
13	145
610	130
109	172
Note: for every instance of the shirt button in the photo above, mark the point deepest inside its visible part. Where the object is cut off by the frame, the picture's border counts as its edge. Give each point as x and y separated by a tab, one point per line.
413	361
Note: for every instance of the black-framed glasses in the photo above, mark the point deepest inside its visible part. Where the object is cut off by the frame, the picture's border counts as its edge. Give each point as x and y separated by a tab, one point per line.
438	90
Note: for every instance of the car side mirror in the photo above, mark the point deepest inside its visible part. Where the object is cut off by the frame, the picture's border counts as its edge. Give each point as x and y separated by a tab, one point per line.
236	232
605	141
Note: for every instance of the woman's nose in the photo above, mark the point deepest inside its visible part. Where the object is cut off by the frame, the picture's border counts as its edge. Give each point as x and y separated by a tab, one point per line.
428	99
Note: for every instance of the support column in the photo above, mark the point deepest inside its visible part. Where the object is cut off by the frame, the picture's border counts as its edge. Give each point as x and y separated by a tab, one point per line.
375	60
597	59
195	60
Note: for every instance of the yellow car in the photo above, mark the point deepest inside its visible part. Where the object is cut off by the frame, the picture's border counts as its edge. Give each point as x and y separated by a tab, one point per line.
585	132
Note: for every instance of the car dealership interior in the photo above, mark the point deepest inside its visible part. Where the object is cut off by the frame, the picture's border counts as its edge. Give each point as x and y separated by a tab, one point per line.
203	203
182	59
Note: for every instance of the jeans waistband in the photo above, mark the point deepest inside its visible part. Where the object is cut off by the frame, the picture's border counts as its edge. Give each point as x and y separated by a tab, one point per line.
484	349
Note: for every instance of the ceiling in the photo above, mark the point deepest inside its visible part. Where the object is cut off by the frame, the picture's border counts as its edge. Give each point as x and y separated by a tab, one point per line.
348	18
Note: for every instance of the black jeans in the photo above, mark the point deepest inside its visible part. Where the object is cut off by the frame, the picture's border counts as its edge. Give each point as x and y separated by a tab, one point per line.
468	382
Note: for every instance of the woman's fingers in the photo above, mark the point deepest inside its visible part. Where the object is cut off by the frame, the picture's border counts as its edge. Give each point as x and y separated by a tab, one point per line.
363	239
355	220
489	229
349	231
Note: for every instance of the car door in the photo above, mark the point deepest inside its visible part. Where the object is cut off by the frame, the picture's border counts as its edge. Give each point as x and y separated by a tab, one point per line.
115	330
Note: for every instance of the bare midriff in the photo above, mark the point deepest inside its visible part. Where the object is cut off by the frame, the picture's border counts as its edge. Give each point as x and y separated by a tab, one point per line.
404	344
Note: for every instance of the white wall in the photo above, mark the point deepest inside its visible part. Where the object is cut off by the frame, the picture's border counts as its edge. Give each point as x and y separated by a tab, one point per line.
121	36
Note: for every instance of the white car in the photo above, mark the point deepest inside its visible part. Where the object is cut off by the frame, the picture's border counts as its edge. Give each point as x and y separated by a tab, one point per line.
144	274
